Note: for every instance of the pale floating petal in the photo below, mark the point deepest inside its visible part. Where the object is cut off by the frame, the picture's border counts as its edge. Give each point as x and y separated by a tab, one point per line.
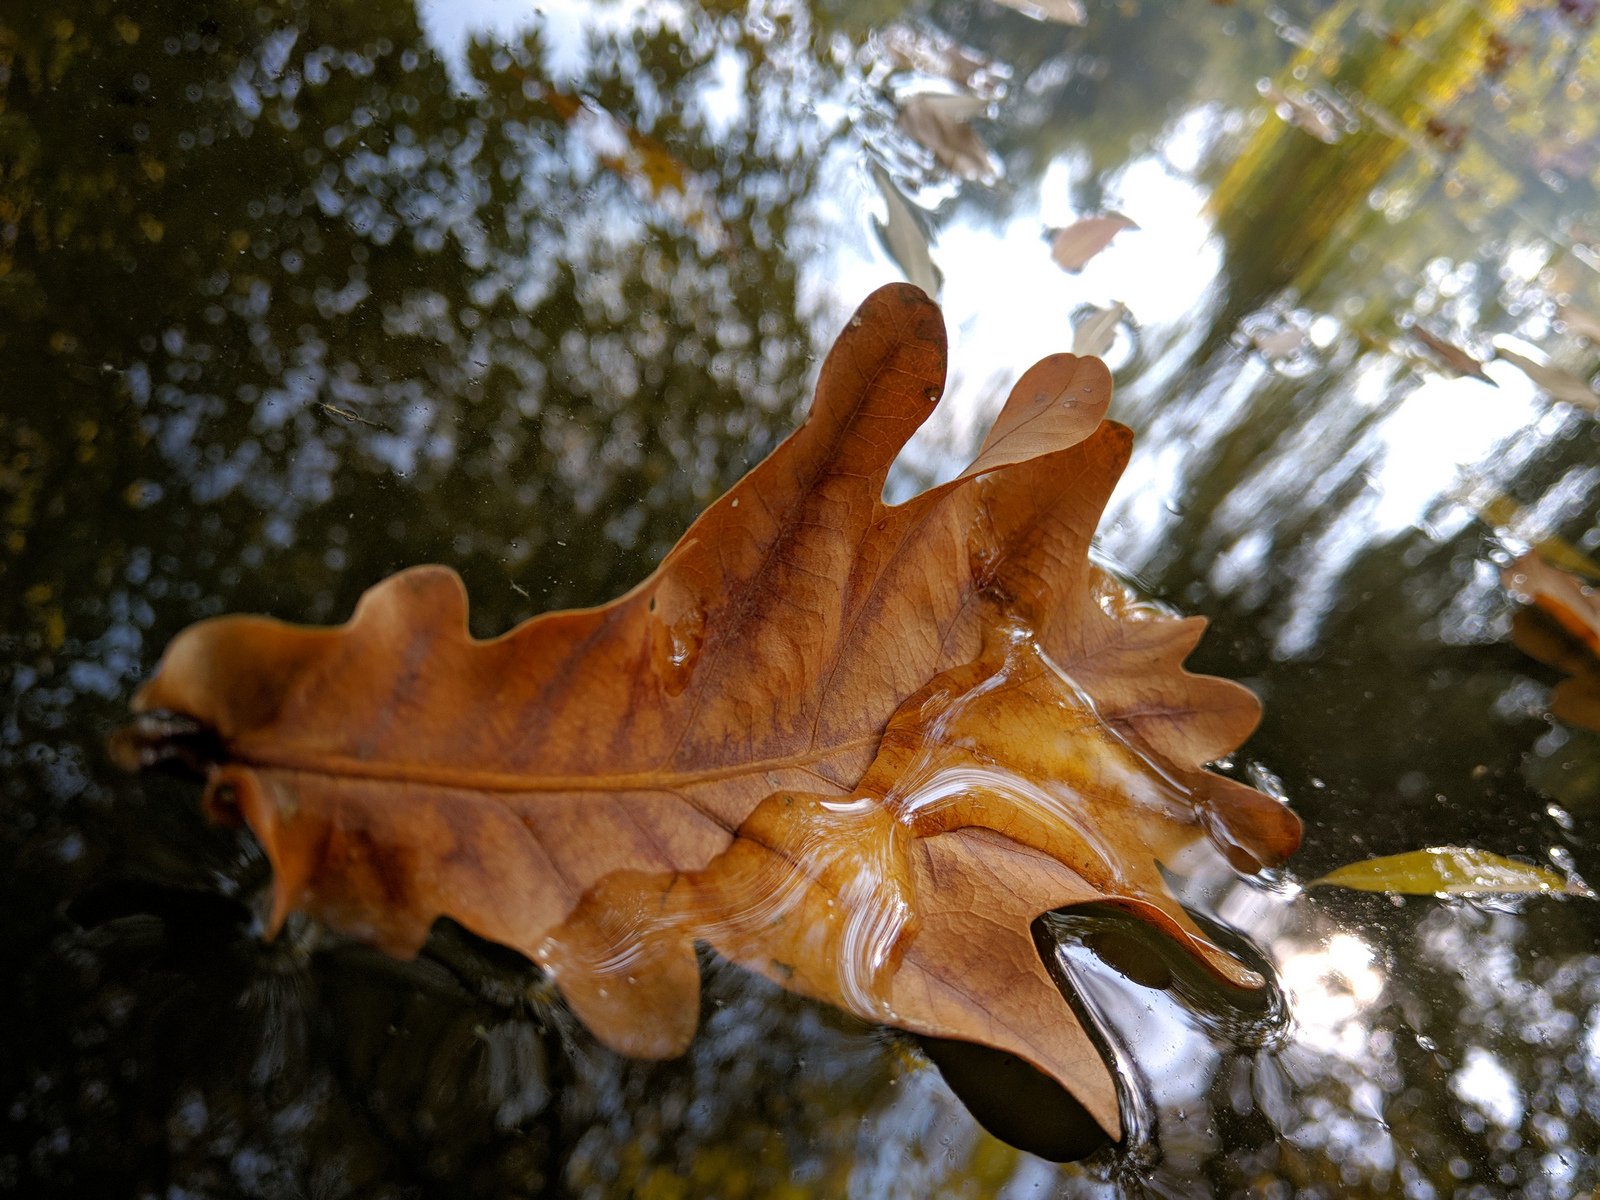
930	52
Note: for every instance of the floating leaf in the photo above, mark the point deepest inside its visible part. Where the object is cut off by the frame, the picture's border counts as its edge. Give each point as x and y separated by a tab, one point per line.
940	122
856	748
1453	357
1451	871
1283	342
1569	603
1062	12
1096	332
930	52
904	236
1074	246
1553	381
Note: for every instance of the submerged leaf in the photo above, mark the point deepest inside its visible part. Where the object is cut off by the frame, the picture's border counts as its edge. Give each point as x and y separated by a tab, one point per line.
1074	246
1451	871
853	747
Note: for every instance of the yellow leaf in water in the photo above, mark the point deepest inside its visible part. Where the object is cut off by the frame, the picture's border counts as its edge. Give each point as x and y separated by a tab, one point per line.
1507	518
1451	871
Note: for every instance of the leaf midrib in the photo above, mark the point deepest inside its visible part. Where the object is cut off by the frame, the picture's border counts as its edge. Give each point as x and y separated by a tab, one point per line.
511	782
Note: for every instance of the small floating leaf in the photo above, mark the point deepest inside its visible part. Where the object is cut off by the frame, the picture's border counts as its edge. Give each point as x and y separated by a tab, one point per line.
1580	321
1284	342
930	52
1569	603
1451	871
941	123
1553	381
1074	246
1095	332
904	236
1451	356
1507	518
1062	12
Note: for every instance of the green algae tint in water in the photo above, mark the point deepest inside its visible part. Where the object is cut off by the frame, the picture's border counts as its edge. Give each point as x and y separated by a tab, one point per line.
293	296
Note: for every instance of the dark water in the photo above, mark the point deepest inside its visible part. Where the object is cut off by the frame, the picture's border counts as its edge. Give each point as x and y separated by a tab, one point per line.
295	294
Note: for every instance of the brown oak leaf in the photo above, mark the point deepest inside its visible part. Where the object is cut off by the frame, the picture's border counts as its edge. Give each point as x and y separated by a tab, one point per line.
857	748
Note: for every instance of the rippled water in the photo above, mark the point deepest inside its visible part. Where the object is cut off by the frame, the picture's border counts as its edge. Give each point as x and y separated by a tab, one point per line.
293	295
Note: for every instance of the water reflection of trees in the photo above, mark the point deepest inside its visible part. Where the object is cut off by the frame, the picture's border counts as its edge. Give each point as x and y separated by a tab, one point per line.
286	309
